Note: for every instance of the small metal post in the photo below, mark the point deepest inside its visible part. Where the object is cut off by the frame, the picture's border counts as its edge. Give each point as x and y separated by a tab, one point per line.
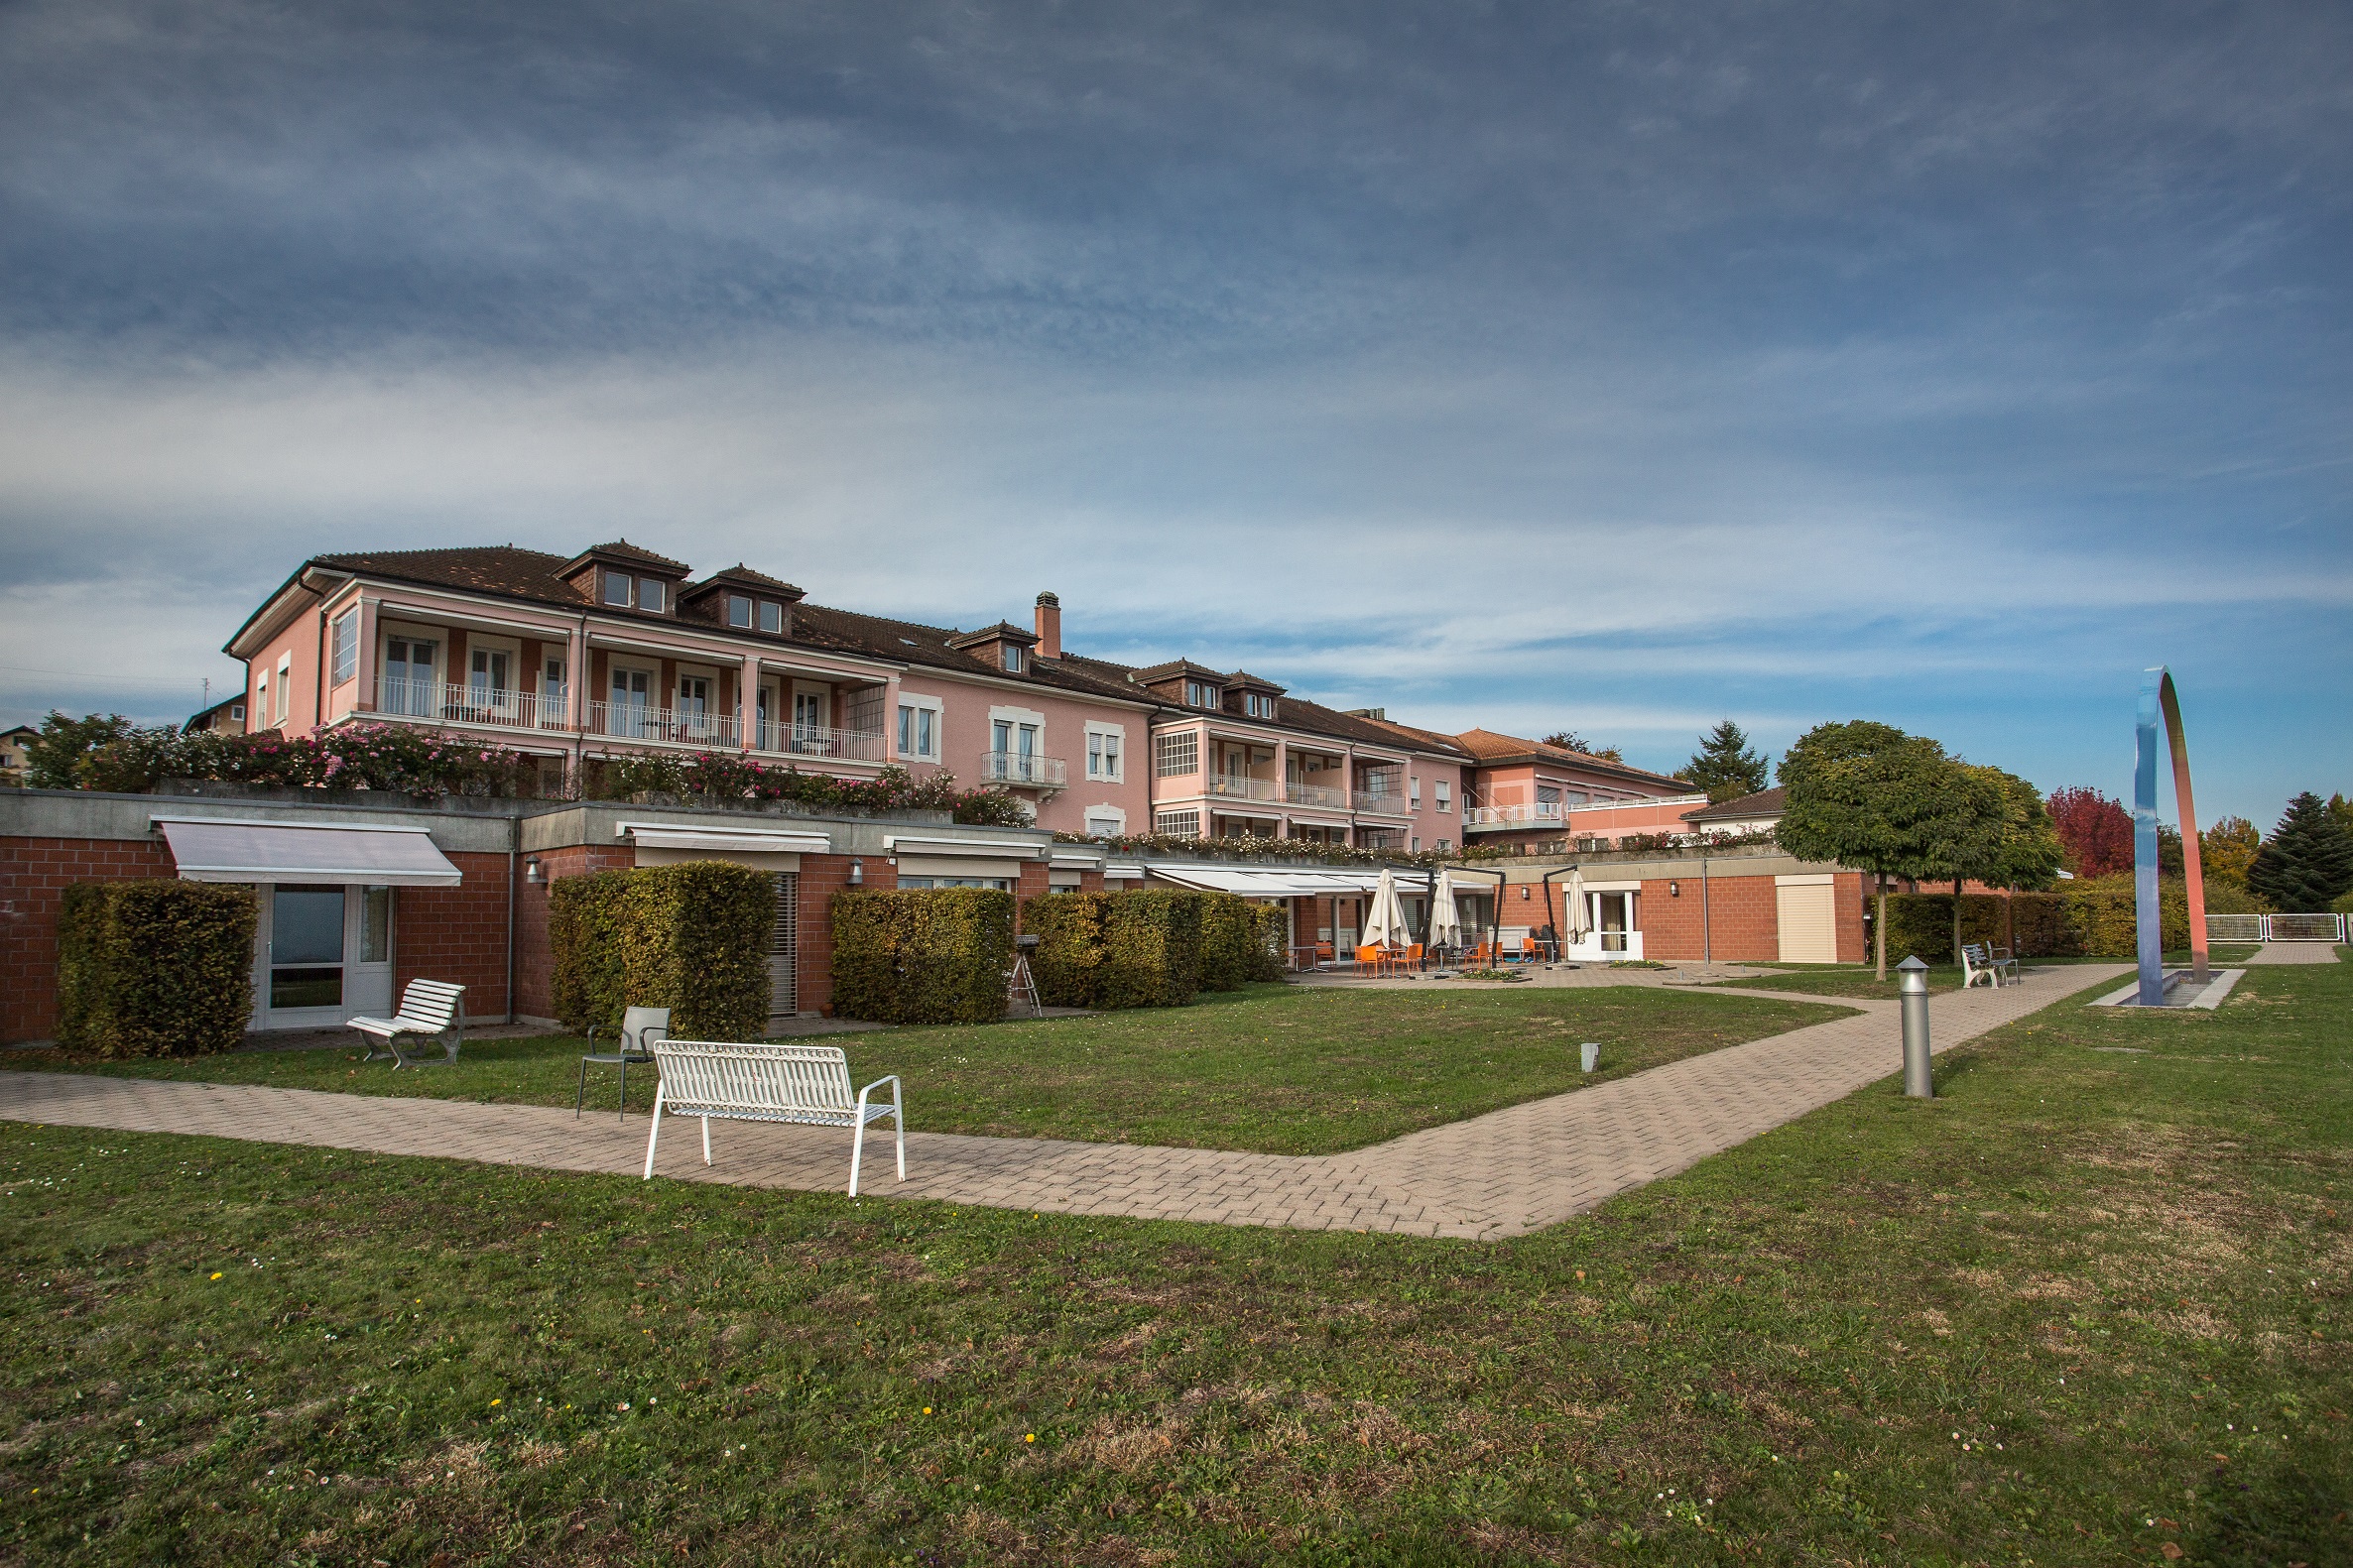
1912	982
1589	1055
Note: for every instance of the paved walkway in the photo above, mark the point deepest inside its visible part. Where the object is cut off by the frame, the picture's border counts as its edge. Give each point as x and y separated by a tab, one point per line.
1497	1175
2294	953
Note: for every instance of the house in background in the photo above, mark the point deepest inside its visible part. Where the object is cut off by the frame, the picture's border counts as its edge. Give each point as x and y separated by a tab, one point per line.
1531	797
1750	813
14	758
227	717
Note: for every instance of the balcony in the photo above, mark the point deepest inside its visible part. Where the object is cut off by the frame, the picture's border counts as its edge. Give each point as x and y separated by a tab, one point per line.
1543	813
1024	770
632	721
447	702
1239	786
1383	802
818	740
1315	795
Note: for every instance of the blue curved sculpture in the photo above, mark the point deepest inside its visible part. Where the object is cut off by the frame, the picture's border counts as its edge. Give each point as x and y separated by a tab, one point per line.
2158	695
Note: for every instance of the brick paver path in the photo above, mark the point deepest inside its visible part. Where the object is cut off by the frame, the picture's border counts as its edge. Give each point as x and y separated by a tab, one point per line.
2294	953
1501	1174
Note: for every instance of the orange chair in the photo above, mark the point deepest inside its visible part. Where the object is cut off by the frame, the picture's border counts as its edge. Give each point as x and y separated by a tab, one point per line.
1371	959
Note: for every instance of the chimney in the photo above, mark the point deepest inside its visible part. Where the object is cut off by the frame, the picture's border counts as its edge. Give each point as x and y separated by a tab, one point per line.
1049	626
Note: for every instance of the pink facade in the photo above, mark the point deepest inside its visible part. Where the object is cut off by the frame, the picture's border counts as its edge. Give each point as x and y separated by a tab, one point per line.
1079	763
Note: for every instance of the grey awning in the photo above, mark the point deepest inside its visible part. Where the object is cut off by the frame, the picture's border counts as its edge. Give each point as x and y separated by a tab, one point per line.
217	850
663	835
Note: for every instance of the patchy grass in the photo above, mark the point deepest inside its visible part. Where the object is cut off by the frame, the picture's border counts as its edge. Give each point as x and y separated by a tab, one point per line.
1278	1069
2084	1306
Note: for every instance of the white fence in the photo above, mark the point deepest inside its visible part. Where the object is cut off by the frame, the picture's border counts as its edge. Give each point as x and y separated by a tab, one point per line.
2275	928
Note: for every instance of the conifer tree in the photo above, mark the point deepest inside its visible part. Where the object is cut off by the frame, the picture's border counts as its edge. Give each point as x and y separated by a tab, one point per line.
1725	766
2308	863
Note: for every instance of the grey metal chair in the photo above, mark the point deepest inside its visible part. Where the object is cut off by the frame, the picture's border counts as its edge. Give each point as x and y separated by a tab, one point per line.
634	1046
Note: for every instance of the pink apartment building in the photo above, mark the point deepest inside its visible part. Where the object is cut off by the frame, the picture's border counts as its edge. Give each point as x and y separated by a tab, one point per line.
620	649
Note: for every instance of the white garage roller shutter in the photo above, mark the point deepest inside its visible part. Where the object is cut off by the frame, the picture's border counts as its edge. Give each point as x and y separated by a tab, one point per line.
1808	917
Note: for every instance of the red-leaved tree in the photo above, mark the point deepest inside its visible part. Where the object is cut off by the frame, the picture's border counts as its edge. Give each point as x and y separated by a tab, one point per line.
2095	831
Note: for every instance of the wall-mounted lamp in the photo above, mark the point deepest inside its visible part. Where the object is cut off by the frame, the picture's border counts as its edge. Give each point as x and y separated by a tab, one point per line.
1524	892
1675	890
531	871
857	872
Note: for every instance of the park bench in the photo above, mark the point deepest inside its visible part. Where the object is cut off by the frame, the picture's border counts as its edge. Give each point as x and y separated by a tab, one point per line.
807	1085
1977	960
435	1008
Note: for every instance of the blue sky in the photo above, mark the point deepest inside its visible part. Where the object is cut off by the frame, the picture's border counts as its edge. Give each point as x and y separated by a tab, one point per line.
1611	366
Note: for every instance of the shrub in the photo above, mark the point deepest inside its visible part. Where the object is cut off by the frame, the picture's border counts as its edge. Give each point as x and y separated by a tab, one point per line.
1150	948
155	968
1922	923
1235	938
2106	917
724	775
1070	931
936	955
690	937
2043	927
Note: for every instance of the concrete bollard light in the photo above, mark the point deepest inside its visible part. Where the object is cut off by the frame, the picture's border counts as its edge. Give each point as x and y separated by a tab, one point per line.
1912	982
1591	1053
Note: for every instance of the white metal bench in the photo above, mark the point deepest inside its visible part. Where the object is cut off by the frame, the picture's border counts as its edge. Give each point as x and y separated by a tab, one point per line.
1979	960
435	1008
808	1085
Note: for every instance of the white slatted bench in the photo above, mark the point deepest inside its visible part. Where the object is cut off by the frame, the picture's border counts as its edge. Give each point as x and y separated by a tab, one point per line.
435	1008
1980	961
807	1085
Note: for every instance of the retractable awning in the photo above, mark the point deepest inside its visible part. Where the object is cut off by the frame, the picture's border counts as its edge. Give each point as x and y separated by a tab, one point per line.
663	835
218	849
1285	882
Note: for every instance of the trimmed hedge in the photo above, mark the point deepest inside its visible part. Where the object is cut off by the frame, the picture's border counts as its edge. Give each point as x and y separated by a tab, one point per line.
155	968
2106	917
1150	948
1922	923
922	955
691	937
2091	918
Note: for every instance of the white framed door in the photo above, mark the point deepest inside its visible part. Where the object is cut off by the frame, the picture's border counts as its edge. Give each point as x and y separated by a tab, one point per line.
322	955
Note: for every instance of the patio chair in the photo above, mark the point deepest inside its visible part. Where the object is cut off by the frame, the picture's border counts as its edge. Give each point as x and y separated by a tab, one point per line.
1371	959
633	1047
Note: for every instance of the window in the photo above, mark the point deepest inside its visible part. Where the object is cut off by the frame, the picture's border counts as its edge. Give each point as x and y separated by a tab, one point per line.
1013	658
486	677
1102	754
918	731
1414	790
808	715
1445	800
285	684
772	615
1105	822
553	681
409	677
261	695
631	714
1177	824
1416	846
616	590
649	594
1258	706
1445	844
694	705
739	611
998	883
237	711
1177	754
1201	694
344	641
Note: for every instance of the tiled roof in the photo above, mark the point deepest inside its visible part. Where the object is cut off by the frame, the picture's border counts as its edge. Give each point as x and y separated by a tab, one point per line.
739	572
1765	802
1491	747
628	551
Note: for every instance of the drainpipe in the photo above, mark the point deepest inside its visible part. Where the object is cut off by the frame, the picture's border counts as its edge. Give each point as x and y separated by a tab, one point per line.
514	854
579	716
319	677
1707	948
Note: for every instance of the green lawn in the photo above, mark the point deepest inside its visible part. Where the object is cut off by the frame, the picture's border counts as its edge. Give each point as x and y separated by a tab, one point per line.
1281	1069
2086	1304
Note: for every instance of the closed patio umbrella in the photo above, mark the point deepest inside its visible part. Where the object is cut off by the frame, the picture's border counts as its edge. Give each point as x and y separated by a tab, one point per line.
1446	921
1575	920
1386	925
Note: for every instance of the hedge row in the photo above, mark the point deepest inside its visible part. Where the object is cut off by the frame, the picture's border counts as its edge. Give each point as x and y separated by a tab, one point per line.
2092	918
933	955
155	968
691	937
1148	948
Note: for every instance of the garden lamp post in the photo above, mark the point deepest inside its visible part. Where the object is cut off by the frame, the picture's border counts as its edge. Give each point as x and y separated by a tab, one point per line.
1912	982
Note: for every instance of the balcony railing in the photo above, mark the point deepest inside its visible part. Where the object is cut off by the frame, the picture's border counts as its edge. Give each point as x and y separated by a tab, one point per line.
1315	795
1022	770
448	702
631	721
818	740
1240	786
1543	813
1383	802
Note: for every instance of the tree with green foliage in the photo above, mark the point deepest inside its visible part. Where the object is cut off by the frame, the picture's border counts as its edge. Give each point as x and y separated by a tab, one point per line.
2307	864
1868	796
1726	765
54	758
2002	835
2227	850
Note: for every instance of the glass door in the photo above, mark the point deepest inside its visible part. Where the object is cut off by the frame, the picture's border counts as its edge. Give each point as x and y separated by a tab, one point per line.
1612	917
409	677
306	955
486	688
694	707
632	700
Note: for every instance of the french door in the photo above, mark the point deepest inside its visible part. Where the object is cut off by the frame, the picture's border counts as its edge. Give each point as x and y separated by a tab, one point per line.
322	955
408	686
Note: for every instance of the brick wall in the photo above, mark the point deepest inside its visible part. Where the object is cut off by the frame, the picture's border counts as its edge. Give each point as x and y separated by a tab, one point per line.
1743	919
535	960
459	934
33	876
1848	905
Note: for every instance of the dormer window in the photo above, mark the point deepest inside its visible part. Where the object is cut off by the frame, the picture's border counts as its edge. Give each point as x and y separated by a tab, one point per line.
1258	706
649	594
617	589
1201	694
739	611
772	615
1013	658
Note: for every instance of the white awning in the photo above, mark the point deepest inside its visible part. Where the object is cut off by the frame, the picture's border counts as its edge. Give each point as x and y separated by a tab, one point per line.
665	835
1284	882
214	849
999	848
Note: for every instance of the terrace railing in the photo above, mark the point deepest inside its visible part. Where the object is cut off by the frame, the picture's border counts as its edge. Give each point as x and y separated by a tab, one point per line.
1383	802
630	721
818	740
453	702
1315	795
1240	786
1541	813
1019	769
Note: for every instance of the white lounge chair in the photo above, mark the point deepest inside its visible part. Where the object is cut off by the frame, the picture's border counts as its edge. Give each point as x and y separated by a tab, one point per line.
808	1085
435	1008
